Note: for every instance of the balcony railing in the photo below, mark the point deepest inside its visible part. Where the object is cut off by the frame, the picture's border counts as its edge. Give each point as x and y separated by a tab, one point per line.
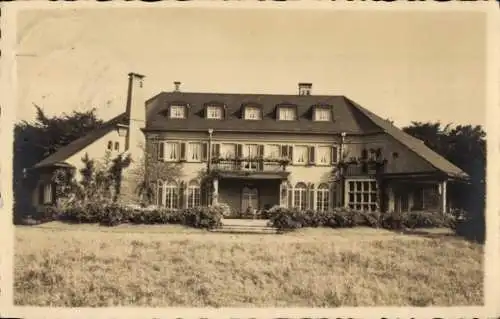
252	165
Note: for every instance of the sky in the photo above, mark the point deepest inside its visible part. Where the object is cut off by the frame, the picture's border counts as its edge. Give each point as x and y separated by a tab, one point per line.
405	66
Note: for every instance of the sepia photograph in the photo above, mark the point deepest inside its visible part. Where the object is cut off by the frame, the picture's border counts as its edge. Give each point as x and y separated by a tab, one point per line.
236	157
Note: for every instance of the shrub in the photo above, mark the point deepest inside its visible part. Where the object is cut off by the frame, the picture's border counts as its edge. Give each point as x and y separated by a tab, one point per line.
223	209
202	217
471	226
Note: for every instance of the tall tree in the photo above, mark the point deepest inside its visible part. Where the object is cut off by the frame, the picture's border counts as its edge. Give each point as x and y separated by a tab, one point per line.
464	146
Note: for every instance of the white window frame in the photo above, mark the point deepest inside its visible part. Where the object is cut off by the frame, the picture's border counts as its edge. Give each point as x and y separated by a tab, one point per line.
319	154
176	149
193	195
169	196
297	159
287	113
214	112
322	115
225	153
300	196
253	113
323	197
361	199
192	149
177	111
272	154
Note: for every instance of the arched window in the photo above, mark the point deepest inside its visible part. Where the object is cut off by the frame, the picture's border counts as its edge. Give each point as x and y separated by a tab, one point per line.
323	198
193	194
110	145
168	195
300	196
117	146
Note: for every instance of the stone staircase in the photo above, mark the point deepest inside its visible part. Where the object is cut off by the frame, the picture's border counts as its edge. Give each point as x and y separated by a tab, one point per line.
245	226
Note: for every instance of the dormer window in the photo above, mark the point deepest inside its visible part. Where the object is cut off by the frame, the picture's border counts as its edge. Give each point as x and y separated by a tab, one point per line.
253	113
177	111
214	112
322	114
287	113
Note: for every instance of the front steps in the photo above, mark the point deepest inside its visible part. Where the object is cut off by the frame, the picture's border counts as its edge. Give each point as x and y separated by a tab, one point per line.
245	226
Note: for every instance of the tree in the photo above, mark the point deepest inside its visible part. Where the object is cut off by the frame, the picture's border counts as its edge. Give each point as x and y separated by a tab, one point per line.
464	146
149	170
35	140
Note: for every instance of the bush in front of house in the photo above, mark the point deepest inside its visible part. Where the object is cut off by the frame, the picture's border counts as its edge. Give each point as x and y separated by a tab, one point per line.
113	214
289	219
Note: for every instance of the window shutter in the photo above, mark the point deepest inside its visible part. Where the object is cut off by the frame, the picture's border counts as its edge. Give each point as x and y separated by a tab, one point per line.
312	157
284	151
239	150
334	155
290	197
216	150
161	151
290	152
364	154
181	199
204	152
260	151
183	151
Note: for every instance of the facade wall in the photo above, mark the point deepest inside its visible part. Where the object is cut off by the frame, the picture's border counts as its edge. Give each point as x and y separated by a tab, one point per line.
400	158
97	151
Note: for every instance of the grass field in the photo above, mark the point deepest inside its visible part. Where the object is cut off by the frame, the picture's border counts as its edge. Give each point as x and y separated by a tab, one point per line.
171	266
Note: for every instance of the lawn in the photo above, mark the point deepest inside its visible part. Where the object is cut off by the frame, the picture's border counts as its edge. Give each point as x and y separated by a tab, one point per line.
172	266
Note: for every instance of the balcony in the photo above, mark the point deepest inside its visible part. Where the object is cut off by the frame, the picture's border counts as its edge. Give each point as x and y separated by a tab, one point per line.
249	165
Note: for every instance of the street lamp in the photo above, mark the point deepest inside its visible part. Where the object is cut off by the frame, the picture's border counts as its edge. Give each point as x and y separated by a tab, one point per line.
209	165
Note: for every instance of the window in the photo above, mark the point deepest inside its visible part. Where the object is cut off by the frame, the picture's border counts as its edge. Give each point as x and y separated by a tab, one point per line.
228	150
194	152
300	154
273	151
250	150
322	114
117	146
362	195
287	114
324	155
47	194
193	195
252	113
177	111
168	195
323	198
110	145
214	112
300	196
171	152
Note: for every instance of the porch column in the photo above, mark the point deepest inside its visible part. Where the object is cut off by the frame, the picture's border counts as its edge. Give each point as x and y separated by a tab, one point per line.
443	188
215	194
390	198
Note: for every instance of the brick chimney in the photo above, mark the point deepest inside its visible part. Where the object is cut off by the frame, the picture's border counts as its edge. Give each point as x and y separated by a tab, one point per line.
305	88
177	86
136	111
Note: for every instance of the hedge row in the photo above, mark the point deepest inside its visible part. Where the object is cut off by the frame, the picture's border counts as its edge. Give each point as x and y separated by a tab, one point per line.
289	219
114	214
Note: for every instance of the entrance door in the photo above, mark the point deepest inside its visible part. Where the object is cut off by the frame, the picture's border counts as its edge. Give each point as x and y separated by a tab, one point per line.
249	198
